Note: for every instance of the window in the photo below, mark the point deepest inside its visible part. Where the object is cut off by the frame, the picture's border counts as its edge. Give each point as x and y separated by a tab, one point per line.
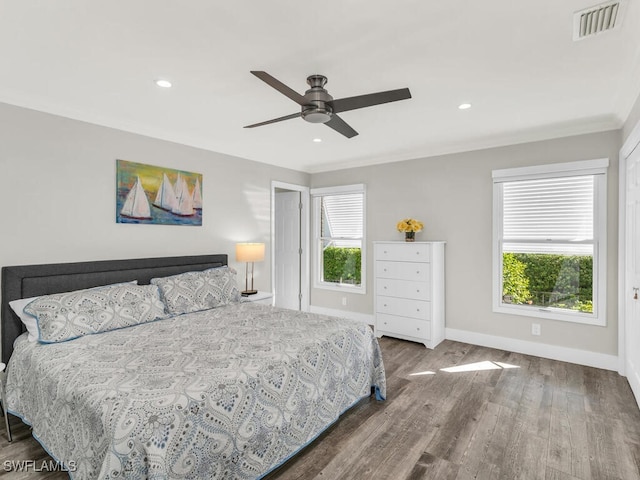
550	241
339	237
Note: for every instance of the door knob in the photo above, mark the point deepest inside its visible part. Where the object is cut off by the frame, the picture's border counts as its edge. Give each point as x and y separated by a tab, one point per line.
635	293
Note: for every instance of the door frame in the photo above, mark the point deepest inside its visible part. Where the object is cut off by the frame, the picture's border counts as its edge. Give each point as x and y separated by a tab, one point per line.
631	144
304	238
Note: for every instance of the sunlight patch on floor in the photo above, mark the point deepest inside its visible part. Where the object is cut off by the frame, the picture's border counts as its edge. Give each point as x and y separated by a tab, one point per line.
478	366
469	367
428	372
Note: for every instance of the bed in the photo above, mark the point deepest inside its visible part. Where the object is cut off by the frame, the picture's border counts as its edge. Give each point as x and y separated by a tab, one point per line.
227	392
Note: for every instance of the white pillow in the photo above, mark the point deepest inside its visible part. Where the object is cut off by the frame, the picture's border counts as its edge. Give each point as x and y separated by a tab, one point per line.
29	321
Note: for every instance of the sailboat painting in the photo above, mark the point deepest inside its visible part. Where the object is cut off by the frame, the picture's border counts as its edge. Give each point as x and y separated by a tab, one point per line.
148	194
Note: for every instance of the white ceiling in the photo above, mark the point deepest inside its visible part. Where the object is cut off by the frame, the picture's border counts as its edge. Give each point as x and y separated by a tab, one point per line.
514	61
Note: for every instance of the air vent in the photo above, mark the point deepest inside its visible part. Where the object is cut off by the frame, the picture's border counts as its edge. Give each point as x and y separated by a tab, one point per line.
596	20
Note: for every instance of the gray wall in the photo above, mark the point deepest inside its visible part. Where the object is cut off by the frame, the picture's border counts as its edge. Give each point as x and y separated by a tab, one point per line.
452	195
57	191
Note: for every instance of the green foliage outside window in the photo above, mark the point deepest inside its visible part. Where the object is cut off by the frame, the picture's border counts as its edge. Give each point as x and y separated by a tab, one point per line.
560	281
515	284
342	265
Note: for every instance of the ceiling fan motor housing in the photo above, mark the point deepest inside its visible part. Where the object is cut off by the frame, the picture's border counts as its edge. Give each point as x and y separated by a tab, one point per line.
317	108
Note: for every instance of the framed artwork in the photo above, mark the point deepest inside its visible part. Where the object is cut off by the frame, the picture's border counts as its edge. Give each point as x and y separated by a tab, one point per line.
157	195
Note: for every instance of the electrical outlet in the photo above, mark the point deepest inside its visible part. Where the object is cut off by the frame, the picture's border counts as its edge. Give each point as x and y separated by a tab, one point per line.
535	329
344	301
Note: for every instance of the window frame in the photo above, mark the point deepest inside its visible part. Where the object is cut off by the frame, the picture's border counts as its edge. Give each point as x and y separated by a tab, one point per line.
597	168
316	195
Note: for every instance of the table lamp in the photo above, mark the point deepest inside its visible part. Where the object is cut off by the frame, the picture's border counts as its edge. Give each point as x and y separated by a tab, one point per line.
249	253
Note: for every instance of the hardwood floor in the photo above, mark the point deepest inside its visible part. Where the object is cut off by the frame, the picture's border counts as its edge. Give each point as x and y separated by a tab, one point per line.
494	415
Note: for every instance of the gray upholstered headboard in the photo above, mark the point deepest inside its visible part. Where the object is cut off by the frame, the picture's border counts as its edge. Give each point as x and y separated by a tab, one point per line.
33	280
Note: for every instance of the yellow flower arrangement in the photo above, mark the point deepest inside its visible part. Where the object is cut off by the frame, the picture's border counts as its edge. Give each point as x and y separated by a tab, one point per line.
409	225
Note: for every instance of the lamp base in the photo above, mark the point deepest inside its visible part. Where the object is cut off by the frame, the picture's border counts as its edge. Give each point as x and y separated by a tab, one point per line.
246	293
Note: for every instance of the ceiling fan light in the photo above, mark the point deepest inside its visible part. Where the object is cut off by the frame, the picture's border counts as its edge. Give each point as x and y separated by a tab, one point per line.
316	116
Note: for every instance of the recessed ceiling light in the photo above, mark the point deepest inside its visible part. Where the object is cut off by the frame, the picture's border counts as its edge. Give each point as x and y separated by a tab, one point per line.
464	106
317	140
163	83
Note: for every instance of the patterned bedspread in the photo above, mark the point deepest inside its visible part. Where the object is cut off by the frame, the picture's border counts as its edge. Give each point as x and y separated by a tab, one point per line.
230	392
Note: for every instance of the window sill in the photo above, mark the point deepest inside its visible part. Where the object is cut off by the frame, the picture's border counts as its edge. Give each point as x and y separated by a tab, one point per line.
341	288
552	314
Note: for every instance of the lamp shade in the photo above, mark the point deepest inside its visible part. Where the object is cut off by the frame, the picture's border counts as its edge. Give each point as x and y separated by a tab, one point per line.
250	252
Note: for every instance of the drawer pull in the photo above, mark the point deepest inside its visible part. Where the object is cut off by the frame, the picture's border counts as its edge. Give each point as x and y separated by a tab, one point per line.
385	287
385	251
417	291
385	304
418	272
417	309
417	253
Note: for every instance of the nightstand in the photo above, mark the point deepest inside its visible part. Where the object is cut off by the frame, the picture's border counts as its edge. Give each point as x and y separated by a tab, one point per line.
266	298
3	399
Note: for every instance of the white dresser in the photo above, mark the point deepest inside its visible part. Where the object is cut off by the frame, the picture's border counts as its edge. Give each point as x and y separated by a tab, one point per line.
409	291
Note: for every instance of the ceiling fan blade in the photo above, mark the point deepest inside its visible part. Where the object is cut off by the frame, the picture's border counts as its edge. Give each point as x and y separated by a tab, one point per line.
280	119
281	87
362	101
340	126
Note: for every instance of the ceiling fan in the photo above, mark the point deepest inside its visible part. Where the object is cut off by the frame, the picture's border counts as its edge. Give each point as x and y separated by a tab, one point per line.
317	106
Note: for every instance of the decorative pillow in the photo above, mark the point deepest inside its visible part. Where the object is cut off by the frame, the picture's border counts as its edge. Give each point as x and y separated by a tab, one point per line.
65	316
194	291
30	322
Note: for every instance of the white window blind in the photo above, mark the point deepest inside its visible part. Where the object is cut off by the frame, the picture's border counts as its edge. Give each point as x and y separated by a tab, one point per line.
549	215
342	216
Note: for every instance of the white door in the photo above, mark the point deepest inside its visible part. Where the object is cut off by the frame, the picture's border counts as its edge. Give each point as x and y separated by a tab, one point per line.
632	273
287	250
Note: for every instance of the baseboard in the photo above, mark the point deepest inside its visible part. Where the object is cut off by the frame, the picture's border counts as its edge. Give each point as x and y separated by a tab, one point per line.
553	352
334	312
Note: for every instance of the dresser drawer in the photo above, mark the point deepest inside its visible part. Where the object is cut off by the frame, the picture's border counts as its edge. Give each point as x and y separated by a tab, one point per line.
403	288
403	326
404	307
403	252
416	272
